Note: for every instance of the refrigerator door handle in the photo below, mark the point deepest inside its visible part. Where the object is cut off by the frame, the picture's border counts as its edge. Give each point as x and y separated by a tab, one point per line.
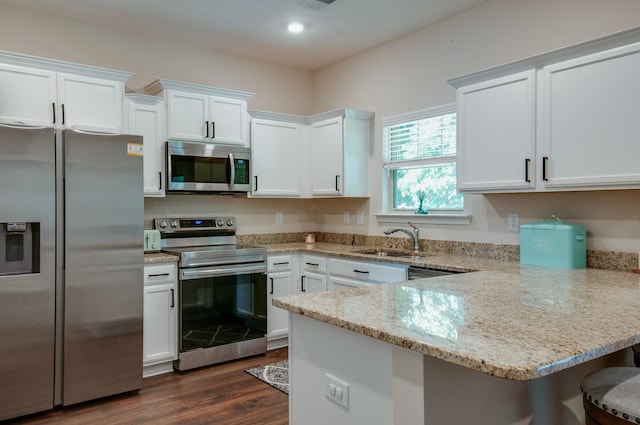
81	130
20	124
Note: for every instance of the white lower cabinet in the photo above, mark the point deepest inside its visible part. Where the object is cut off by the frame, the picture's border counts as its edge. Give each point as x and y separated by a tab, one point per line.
160	346
352	273
314	274
291	274
281	277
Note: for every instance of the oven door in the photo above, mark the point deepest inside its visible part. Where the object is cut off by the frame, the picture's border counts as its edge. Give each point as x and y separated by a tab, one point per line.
223	314
206	167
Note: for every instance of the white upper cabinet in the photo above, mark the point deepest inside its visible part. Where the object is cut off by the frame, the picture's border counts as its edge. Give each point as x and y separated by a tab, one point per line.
567	120
339	147
590	120
146	116
327	157
324	155
496	138
203	113
90	103
43	92
277	144
27	96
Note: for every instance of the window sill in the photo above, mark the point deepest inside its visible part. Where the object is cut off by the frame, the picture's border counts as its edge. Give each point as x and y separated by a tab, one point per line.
460	219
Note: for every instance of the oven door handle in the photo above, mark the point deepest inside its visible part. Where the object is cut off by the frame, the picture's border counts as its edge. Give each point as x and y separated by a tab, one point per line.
224	261
221	271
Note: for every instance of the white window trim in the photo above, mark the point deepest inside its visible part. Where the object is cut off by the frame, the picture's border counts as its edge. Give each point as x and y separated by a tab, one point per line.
388	215
461	218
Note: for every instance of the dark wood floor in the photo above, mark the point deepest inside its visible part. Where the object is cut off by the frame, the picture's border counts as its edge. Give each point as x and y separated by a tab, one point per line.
220	394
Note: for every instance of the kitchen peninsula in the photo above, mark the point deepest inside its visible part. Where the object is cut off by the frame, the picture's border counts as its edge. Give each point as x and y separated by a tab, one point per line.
488	347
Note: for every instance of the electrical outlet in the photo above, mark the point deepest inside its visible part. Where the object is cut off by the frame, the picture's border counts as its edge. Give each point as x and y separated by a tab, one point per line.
346	217
513	222
337	390
279	218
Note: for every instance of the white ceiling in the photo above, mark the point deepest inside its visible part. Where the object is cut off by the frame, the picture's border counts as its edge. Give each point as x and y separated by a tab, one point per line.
257	28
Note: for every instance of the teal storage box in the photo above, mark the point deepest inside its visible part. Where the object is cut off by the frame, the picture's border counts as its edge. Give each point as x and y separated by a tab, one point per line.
553	244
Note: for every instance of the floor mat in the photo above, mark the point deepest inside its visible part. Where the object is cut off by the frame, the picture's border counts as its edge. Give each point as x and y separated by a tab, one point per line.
275	374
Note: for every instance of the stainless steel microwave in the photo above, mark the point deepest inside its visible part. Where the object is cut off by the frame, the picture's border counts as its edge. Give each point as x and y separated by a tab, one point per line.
207	167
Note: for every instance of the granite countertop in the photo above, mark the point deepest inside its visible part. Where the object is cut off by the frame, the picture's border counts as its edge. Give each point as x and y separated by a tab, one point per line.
508	320
458	263
159	257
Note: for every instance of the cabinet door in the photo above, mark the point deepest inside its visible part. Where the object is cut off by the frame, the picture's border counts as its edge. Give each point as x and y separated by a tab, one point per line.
326	158
496	134
367	272
278	285
188	116
90	103
590	125
338	283
160	324
27	96
229	121
149	121
276	153
313	282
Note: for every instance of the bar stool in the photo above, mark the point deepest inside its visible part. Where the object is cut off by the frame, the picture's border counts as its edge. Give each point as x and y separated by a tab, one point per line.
635	349
611	396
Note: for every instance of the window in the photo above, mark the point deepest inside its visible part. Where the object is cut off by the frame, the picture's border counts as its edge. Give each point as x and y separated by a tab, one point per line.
419	155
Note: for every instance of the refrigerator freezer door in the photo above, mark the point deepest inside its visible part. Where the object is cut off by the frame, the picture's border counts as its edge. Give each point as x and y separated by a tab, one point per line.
103	219
27	301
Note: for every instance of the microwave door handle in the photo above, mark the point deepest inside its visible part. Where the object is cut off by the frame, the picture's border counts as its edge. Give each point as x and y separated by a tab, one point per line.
232	168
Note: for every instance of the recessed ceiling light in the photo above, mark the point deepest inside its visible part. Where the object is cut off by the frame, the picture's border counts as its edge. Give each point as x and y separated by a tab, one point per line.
295	27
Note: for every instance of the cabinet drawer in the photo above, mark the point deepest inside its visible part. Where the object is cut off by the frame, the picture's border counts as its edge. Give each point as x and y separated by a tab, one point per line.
159	273
368	272
314	263
279	262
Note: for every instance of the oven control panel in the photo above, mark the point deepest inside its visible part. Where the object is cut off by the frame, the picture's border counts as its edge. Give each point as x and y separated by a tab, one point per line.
195	224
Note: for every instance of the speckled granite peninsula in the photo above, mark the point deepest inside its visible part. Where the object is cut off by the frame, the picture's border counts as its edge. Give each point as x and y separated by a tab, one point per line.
517	326
430	351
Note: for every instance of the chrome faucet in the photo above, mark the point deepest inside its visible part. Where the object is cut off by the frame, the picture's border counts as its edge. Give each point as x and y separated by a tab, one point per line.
414	234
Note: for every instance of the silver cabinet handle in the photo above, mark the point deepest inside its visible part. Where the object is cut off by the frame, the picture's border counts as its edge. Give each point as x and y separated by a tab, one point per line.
173	298
302	284
281	264
271	292
159	275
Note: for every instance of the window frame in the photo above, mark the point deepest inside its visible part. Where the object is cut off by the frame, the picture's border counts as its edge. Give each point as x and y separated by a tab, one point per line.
388	187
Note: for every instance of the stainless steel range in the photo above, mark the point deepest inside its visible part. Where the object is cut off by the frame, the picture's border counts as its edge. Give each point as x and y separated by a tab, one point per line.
222	291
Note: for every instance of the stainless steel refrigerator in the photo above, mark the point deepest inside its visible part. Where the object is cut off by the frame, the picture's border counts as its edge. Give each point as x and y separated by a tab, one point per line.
71	267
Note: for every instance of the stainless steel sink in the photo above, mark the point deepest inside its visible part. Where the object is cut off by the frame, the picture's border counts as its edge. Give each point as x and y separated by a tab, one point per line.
386	253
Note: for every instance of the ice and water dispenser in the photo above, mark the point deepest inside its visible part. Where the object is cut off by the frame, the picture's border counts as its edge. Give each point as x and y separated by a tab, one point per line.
19	248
